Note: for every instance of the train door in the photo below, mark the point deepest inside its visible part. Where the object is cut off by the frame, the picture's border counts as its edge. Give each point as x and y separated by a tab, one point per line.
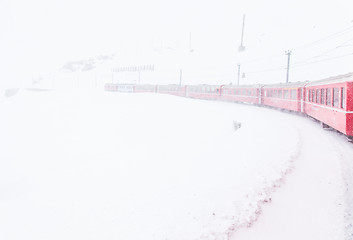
301	99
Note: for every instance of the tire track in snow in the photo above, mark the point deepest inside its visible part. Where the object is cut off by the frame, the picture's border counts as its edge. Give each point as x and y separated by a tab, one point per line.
309	205
259	198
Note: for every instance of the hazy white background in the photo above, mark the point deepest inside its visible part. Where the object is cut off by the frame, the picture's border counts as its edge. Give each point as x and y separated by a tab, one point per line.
39	36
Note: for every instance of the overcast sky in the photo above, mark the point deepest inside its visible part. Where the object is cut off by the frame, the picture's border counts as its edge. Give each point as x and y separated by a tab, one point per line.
41	35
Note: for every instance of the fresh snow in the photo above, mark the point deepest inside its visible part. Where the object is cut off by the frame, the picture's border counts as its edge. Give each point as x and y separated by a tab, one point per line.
95	165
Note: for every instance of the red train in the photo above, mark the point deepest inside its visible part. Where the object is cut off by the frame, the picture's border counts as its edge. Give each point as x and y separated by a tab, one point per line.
329	100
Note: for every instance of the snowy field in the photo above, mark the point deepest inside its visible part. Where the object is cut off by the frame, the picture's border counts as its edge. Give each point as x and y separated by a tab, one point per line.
95	165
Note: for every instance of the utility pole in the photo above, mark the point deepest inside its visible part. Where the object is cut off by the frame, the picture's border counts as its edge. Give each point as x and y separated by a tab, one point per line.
238	73
288	53
241	47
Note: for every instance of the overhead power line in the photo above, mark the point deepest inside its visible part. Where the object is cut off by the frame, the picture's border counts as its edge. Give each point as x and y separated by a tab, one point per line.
322	60
328	37
331	36
300	64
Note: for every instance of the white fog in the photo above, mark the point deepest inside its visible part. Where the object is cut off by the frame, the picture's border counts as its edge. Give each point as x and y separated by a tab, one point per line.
79	162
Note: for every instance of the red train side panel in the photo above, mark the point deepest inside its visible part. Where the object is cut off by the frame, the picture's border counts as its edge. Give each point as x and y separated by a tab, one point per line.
330	101
244	94
208	92
284	96
349	128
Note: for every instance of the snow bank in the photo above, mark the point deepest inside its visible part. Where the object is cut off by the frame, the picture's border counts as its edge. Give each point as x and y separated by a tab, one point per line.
137	166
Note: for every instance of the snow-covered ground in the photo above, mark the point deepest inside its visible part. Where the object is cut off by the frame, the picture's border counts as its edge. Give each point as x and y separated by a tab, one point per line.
95	165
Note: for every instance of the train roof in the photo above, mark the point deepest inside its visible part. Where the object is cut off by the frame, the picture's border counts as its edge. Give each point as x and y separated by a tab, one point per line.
336	79
330	80
284	85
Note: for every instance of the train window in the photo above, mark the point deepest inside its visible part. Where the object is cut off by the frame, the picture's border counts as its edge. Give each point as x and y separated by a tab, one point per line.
317	95
307	95
280	93
343	97
336	97
293	94
328	96
286	94
322	96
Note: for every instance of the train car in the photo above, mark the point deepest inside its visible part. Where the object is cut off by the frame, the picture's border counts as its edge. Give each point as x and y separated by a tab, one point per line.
209	92
331	102
284	96
244	94
173	89
145	88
